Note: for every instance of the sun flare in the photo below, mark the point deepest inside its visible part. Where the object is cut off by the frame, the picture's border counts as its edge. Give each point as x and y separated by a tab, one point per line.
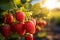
50	4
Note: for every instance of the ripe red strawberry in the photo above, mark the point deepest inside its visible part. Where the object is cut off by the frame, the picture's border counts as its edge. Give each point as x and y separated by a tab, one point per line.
43	24
38	29
34	21
29	37
30	27
40	24
20	29
37	22
13	28
5	31
20	16
9	18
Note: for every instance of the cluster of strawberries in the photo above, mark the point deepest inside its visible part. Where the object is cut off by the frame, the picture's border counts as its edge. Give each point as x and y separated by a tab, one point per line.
22	28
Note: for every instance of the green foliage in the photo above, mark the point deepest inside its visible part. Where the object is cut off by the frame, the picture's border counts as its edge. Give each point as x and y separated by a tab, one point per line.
2	14
17	2
7	5
42	34
41	15
28	6
27	14
1	11
23	1
57	22
36	8
23	9
1	37
52	20
4	1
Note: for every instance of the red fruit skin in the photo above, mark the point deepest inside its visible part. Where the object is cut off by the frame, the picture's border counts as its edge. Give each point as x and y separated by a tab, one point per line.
38	29
9	18
34	21
43	24
5	31
20	16
29	37
37	22
13	28
30	27
20	29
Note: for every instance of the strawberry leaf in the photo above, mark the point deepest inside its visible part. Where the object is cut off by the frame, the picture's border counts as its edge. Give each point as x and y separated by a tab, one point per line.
28	6
7	6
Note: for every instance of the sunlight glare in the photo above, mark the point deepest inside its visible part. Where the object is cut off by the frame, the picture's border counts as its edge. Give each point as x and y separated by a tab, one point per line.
50	4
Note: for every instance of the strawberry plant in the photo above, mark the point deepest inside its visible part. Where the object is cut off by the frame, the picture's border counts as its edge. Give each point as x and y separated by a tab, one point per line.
16	20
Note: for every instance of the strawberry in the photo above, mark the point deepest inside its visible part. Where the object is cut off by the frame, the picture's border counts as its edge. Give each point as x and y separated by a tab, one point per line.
43	24
37	22
9	18
30	27
20	16
34	21
20	29
38	28
5	31
40	24
13	28
29	37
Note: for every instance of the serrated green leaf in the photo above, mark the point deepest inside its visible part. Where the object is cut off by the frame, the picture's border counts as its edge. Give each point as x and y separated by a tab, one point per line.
8	6
23	1
28	6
